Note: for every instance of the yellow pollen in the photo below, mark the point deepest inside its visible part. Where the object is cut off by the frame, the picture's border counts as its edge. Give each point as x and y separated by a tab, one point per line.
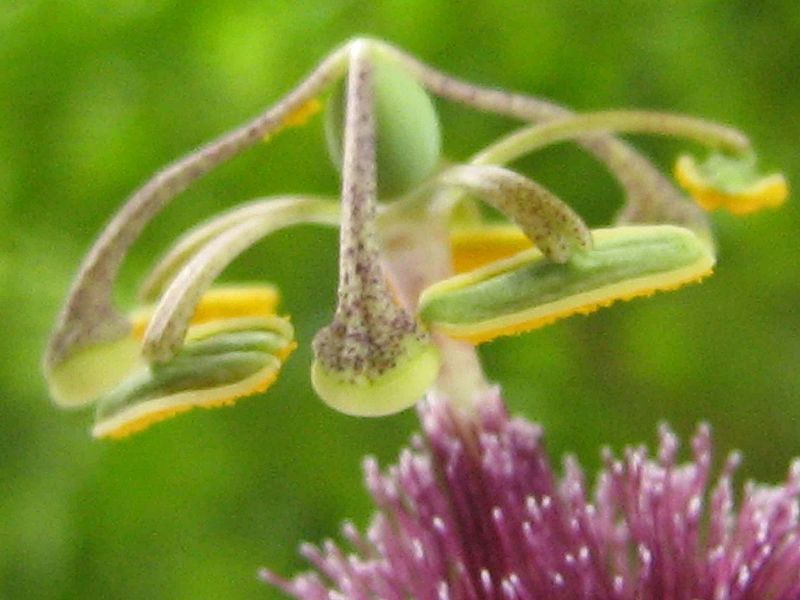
145	421
301	115
474	247
229	302
205	398
128	429
298	117
284	352
517	328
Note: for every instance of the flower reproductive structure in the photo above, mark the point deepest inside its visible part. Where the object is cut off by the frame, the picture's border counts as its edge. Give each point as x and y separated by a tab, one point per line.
423	274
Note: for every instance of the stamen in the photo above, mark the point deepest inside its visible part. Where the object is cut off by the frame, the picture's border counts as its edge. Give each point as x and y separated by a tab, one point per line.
525	291
221	362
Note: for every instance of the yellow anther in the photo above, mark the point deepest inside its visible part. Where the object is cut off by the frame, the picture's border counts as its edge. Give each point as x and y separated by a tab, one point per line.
221	362
526	291
475	246
764	192
176	404
225	302
555	313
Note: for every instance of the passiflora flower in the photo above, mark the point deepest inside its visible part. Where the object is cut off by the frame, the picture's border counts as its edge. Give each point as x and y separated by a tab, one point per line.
420	268
473	510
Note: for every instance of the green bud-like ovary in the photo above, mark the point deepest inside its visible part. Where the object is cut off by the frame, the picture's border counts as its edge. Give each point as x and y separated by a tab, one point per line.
526	291
378	394
220	362
88	373
408	136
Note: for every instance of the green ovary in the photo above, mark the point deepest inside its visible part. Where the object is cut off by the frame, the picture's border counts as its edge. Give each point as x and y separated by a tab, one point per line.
409	139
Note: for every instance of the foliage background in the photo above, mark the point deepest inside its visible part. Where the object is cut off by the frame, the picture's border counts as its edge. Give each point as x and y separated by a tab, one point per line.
96	95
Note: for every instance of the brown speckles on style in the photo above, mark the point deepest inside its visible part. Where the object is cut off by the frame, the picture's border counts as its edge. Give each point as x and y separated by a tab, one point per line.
369	330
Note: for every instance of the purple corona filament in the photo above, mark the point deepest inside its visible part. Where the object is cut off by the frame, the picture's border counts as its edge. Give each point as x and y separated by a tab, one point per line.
480	514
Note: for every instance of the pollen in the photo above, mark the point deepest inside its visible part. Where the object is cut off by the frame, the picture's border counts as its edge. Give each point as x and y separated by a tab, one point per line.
228	302
301	116
526	291
286	351
161	409
557	313
298	117
221	362
235	302
142	423
474	247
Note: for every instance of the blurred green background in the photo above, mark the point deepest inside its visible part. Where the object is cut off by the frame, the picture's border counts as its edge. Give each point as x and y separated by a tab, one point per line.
95	95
